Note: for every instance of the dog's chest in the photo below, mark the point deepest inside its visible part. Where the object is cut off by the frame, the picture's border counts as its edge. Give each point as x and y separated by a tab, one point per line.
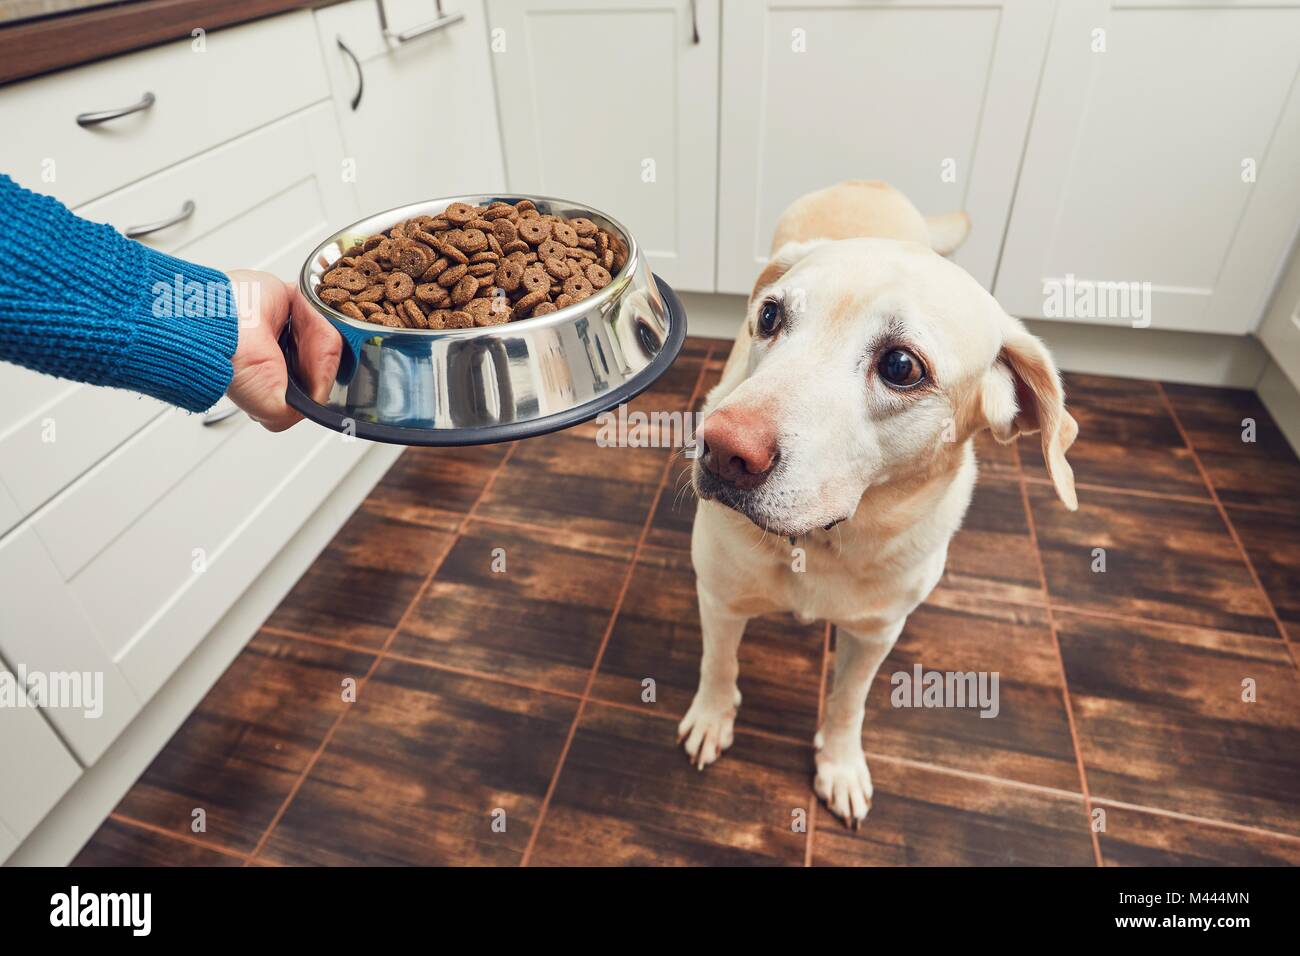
824	581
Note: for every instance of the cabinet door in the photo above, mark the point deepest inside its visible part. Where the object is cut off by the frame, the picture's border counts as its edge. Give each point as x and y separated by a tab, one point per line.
613	103
426	124
932	96
43	631
37	769
1164	150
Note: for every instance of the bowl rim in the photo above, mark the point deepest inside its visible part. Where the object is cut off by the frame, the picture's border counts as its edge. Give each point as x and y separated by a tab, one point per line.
506	431
618	283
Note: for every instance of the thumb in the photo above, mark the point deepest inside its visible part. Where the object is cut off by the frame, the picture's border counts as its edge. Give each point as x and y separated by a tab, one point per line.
319	347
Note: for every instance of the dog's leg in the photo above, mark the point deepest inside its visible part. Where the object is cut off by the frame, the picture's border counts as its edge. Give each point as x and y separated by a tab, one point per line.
708	727
843	780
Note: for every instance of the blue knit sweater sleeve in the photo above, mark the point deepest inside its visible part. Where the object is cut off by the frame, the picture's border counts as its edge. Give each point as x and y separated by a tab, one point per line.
79	300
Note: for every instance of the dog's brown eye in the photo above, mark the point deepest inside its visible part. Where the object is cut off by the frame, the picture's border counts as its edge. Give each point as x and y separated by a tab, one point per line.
769	318
901	369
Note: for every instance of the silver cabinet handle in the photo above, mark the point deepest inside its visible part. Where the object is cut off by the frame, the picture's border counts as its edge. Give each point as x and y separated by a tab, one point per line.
103	116
695	26
439	22
219	413
135	232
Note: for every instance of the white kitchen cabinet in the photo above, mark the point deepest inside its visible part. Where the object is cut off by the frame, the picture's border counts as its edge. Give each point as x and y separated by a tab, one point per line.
8	840
45	632
1164	150
261	201
614	103
1280	329
154	591
426	122
932	96
55	429
190	95
35	768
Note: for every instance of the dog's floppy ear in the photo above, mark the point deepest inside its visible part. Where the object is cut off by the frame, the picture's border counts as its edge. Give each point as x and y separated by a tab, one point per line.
1022	395
780	263
948	231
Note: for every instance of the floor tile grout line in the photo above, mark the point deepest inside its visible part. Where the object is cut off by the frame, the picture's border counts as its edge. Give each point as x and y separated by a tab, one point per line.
1115	490
379	657
609	630
1232	529
1134	619
178	837
1060	661
1192	818
821	711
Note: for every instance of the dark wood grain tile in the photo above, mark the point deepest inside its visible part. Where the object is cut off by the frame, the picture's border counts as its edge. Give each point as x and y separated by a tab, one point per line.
435	486
628	796
657	636
568	482
926	817
1165	559
673	390
1272	541
357	589
1029	737
1162	722
239	754
675	511
525	604
1264	473
997	459
674	515
992	556
420	770
117	843
1127	439
1135	837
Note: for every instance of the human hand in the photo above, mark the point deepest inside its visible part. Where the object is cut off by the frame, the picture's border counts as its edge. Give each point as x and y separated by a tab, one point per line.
260	375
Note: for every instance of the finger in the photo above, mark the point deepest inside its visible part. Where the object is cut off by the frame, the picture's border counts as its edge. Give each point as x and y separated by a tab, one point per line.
319	347
261	299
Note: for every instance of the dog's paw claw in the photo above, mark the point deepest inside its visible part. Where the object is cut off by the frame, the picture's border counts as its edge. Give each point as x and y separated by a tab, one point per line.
707	731
844	783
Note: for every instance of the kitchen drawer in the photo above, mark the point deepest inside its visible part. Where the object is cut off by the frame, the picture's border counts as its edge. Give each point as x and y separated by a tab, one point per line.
9	513
43	631
8	841
37	769
278	188
261	201
246	77
159	587
50	442
107	499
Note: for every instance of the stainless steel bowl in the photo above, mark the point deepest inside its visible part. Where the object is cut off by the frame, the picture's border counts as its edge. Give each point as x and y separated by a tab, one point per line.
499	383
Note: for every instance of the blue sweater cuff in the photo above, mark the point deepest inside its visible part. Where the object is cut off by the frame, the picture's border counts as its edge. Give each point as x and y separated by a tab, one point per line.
185	333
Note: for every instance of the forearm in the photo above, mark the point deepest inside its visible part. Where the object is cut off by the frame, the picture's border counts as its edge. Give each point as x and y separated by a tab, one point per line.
80	301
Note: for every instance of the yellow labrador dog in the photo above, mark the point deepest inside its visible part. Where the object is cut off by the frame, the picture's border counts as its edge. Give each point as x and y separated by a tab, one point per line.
843	425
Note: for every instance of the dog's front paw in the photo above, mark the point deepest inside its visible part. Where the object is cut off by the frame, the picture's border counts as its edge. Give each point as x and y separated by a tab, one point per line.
709	726
843	781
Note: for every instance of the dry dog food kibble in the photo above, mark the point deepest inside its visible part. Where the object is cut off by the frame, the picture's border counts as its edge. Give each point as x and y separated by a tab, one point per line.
473	265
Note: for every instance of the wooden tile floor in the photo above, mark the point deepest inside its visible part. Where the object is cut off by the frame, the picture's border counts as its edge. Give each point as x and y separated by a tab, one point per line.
499	714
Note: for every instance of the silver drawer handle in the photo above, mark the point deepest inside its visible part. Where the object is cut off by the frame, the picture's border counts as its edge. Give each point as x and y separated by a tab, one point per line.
135	232
439	22
219	414
94	119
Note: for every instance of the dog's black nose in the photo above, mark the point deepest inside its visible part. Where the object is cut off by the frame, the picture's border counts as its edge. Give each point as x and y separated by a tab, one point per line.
738	447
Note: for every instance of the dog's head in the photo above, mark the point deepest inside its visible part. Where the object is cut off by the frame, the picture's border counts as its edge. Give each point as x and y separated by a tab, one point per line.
870	362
